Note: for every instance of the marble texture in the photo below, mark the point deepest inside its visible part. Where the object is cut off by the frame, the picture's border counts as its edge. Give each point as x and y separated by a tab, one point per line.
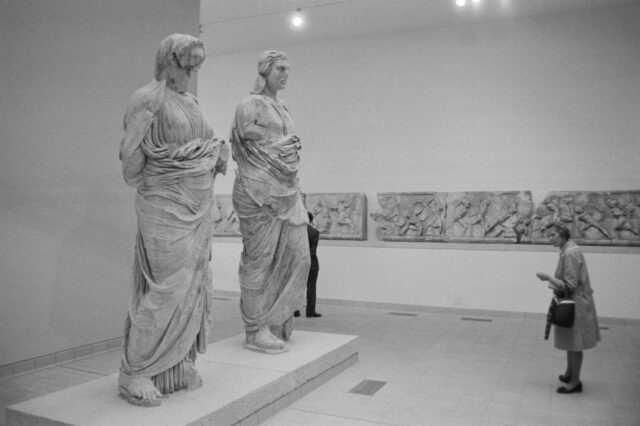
225	218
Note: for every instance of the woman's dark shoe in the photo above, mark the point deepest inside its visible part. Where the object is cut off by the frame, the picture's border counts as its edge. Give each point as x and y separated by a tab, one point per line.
564	379
576	389
314	315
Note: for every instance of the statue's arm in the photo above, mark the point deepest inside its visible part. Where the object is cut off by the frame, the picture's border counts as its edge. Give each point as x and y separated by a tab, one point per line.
138	119
132	167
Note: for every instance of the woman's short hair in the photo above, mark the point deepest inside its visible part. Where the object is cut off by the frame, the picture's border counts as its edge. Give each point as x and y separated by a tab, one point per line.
562	229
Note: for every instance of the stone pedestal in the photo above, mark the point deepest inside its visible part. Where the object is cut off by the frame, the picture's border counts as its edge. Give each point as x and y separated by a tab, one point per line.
239	386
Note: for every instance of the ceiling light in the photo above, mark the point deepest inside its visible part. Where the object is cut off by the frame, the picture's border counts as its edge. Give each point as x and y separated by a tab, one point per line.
297	20
461	3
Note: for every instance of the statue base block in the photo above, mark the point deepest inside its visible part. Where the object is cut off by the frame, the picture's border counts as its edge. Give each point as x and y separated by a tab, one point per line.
239	386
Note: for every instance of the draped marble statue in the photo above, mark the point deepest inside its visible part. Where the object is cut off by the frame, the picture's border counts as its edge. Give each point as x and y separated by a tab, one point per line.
273	221
170	155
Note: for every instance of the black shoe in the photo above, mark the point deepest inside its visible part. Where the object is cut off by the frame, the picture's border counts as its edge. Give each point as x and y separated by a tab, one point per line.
296	314
564	379
314	315
576	389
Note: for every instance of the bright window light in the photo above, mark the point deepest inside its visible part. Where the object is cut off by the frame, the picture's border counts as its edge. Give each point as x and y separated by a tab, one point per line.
461	3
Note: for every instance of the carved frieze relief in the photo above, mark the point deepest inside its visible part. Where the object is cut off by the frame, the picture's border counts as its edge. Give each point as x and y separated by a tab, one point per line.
338	215
493	217
594	217
460	216
411	216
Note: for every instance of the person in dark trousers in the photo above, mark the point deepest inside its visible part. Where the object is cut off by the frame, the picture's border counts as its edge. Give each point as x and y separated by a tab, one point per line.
314	236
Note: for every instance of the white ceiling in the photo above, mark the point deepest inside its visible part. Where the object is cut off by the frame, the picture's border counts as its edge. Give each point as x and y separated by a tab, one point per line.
242	25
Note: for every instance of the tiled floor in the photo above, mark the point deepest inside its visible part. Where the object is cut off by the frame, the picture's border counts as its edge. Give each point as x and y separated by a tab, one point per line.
439	370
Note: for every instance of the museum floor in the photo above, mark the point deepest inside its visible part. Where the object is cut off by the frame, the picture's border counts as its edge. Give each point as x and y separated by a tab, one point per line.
435	369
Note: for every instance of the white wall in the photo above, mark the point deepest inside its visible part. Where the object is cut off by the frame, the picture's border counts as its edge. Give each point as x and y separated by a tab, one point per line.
540	104
465	278
67	223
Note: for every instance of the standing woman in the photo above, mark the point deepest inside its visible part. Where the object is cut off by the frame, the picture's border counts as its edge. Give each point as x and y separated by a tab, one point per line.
572	279
273	221
170	155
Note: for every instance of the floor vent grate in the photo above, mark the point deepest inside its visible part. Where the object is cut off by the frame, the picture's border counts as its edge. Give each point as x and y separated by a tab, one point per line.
368	387
476	319
604	327
220	298
403	314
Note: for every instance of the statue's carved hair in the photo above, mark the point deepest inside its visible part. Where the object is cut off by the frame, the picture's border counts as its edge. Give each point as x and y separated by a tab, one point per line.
172	47
265	63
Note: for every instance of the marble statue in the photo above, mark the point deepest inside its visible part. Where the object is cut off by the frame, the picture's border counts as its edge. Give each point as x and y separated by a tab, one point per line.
593	217
339	216
226	222
170	155
275	260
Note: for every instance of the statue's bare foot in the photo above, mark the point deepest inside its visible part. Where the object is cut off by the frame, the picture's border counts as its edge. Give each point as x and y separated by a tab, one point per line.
195	380
139	391
283	331
265	341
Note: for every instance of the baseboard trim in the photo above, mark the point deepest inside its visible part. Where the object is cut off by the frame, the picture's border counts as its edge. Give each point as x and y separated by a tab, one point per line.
60	357
403	307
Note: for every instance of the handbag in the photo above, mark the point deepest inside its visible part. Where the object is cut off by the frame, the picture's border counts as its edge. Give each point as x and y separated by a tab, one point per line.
563	312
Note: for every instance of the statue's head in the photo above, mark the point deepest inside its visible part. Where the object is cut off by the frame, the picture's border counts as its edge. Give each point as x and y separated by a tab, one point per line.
266	62
177	58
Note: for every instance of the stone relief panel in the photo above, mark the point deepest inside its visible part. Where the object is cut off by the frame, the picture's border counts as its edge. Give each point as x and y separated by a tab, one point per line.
492	217
339	216
594	217
225	219
411	216
503	217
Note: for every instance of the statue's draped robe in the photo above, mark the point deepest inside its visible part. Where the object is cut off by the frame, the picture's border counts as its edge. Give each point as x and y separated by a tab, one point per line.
266	197
169	307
